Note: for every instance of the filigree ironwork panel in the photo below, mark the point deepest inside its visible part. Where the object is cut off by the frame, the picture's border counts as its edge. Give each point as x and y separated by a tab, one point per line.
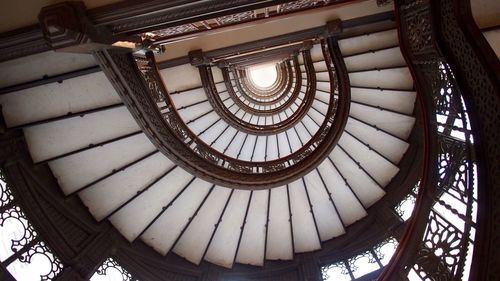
381	256
439	254
342	266
443	241
236	18
110	263
171	31
354	267
25	242
6	196
28	232
454	177
298	5
41	249
405	207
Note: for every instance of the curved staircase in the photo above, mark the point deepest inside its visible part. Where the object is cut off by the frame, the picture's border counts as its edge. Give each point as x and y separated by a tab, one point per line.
97	151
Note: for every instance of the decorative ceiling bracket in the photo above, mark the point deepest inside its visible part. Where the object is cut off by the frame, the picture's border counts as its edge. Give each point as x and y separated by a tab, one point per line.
67	28
333	28
197	58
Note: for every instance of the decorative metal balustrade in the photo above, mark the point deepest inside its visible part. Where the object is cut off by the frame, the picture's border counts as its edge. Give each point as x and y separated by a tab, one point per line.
449	192
441	235
167	130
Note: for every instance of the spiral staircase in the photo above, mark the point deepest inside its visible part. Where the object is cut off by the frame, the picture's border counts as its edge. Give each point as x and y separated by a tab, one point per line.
122	177
201	160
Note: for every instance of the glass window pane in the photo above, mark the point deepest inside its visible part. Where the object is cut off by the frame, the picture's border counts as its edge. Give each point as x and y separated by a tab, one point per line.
37	263
335	272
363	264
385	250
15	232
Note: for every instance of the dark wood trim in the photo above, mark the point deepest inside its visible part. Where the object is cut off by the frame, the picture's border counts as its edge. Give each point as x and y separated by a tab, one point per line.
489	28
113	172
68	115
90	146
22	42
164	208
131	18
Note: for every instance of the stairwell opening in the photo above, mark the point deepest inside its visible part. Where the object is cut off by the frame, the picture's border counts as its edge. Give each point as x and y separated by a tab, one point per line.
263	76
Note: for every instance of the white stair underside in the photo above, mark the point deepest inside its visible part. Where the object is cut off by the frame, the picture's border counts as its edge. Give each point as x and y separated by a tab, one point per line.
253	239
305	236
55	99
49	63
186	211
279	236
45	142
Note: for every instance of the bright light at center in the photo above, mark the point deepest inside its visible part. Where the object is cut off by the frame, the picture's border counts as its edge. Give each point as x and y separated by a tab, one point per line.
263	75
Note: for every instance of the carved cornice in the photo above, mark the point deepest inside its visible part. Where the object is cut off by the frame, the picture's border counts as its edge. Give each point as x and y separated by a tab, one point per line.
66	27
62	24
22	42
130	18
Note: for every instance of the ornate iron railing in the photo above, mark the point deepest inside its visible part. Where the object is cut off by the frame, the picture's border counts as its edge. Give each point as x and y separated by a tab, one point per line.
167	131
439	240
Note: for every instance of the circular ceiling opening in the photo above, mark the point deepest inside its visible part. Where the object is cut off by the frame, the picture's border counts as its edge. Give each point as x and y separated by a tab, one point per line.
263	75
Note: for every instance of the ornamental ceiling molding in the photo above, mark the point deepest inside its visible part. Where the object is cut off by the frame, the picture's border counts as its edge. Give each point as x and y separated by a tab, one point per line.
134	18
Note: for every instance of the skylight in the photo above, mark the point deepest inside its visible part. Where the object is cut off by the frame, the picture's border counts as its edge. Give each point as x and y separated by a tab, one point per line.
263	75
